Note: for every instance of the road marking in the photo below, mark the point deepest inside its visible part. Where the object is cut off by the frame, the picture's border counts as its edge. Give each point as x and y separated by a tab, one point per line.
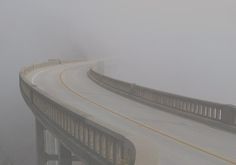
145	125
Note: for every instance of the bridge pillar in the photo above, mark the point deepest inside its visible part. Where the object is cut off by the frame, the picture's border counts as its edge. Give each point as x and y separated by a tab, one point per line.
65	155
40	144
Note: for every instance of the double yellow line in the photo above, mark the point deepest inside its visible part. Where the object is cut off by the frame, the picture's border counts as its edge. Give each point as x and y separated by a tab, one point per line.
203	150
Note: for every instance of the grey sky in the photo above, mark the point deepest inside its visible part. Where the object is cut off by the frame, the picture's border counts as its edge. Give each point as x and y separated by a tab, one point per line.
188	45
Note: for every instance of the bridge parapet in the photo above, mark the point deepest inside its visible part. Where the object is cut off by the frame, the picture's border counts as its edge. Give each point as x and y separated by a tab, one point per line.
86	137
208	112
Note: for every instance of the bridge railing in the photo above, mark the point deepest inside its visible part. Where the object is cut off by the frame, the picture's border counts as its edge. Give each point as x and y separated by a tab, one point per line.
190	107
107	146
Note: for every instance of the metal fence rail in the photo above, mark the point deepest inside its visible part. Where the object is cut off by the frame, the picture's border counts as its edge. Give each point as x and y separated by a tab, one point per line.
194	108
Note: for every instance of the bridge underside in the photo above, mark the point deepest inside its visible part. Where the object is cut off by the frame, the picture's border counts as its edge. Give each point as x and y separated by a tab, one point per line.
51	151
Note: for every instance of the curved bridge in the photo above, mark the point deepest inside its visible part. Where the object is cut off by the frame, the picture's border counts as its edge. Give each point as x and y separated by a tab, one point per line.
95	126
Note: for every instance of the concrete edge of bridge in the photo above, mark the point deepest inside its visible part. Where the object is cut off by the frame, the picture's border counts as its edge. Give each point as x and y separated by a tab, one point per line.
122	149
216	115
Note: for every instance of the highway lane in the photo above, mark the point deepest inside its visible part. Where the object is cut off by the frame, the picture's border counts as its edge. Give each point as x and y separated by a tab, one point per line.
168	139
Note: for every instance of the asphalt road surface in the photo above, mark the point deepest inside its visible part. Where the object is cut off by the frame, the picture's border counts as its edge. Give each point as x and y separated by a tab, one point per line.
160	138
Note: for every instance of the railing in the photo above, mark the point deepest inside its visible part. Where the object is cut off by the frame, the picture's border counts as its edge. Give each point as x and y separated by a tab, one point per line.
194	108
110	147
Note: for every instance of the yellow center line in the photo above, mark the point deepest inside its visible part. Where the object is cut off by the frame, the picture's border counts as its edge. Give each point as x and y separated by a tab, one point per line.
146	125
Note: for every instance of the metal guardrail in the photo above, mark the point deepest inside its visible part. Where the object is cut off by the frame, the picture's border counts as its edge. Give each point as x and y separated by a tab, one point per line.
194	108
108	146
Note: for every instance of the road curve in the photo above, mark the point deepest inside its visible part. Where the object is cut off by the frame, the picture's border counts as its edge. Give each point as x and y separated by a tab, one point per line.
159	137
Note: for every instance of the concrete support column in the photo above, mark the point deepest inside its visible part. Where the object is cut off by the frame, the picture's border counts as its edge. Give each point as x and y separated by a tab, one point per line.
65	156
40	144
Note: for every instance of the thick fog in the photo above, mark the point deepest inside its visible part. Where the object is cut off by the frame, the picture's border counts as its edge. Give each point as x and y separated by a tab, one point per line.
30	31
180	46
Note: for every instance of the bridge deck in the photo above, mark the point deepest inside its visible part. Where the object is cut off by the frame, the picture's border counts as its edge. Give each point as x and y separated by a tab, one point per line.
160	137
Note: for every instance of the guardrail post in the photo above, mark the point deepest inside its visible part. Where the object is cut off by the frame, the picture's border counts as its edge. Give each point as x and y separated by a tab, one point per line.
65	155
132	89
40	143
229	115
128	157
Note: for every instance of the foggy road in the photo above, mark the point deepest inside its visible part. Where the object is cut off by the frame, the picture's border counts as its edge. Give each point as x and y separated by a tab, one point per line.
189	45
162	137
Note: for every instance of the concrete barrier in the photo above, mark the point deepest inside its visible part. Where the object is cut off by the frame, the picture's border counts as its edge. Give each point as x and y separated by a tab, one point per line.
209	112
103	145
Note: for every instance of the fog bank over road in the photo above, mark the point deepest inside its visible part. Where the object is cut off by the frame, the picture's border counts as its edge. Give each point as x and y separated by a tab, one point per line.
184	47
209	78
181	46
